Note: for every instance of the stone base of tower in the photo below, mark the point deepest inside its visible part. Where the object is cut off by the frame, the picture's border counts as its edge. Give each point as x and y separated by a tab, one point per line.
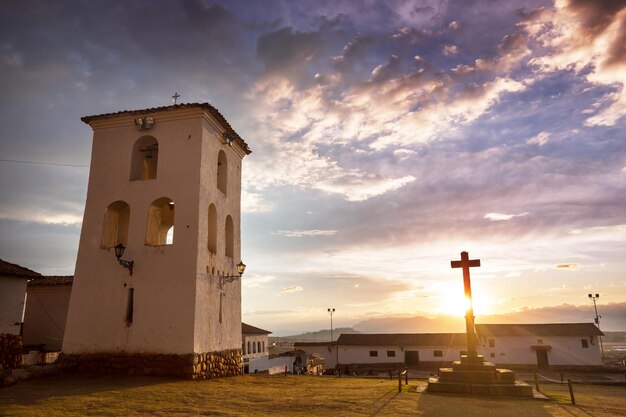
193	366
475	377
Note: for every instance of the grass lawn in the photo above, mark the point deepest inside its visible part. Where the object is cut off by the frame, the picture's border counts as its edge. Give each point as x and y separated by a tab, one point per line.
281	395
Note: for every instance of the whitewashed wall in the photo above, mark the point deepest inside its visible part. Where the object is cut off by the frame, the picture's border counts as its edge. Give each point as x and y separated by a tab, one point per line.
12	291
257	360
565	350
46	313
361	354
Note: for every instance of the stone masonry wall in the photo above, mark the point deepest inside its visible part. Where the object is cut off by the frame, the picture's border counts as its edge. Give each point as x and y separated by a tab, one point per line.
193	365
11	356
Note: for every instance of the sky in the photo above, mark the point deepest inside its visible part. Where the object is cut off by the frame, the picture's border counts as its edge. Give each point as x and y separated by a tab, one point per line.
387	137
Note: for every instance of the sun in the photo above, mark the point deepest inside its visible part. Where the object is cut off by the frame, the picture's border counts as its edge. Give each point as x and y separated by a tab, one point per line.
456	304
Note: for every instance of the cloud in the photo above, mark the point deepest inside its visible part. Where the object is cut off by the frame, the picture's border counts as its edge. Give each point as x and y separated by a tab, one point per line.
256	280
588	38
294	288
498	217
305	233
252	202
539	139
41	217
450	50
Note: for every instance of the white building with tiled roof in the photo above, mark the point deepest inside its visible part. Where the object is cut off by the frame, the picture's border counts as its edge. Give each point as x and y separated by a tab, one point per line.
13	279
534	345
254	349
410	349
543	345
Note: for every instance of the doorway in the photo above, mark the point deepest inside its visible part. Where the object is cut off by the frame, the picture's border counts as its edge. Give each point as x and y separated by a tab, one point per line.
411	358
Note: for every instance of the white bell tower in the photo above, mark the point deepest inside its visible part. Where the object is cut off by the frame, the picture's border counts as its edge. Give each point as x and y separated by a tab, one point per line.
156	287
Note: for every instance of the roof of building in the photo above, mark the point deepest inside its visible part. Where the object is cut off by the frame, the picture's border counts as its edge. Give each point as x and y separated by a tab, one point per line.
311	344
8	269
247	329
548	329
52	280
206	106
402	339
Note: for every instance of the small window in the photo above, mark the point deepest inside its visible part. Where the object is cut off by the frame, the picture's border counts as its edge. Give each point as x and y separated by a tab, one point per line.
230	237
492	343
438	353
258	349
249	351
373	353
130	306
540	341
391	353
492	354
212	229
222	172
584	343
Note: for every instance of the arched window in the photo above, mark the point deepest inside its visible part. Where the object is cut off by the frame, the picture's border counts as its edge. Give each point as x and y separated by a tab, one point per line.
212	229
230	237
253	347
222	172
263	345
258	349
115	225
160	228
145	159
249	351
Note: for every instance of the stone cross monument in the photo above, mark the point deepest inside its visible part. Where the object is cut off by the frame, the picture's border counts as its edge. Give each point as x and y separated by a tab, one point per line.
471	374
465	263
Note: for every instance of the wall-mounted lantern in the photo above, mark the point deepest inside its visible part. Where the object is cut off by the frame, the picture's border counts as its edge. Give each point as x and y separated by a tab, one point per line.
119	251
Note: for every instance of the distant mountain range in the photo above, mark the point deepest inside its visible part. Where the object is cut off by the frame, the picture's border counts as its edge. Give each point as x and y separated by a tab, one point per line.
613	319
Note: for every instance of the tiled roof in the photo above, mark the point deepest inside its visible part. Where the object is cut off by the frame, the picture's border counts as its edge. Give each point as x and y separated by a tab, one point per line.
206	106
52	280
247	329
13	270
312	344
549	329
403	339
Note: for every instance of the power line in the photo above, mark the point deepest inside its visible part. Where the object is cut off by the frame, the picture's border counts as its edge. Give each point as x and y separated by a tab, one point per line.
43	163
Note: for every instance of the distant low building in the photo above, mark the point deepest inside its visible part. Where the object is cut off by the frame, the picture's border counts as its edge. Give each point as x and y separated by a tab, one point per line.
13	279
543	345
409	349
320	351
254	349
536	345
46	312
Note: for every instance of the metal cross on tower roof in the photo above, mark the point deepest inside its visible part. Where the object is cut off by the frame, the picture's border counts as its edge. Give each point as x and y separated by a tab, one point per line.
175	97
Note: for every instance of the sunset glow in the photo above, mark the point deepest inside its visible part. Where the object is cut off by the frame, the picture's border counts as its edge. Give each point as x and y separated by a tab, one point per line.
386	138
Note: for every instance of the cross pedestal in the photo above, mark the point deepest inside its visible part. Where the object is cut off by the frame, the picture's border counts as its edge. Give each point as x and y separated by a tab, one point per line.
472	375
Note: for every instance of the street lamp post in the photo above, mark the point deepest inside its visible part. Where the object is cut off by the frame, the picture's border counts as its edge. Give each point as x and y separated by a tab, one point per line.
597	319
331	311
